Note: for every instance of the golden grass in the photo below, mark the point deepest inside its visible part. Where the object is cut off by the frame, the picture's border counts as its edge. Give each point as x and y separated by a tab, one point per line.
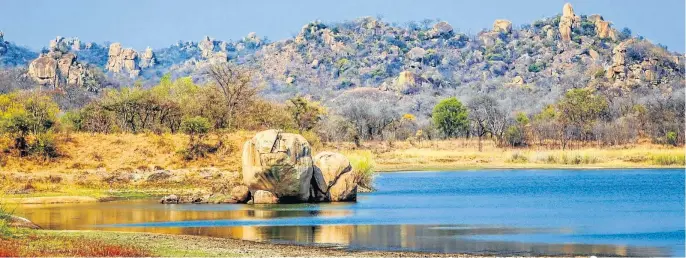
463	154
110	152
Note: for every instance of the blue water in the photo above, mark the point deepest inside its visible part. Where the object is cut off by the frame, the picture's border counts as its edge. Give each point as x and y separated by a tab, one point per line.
626	212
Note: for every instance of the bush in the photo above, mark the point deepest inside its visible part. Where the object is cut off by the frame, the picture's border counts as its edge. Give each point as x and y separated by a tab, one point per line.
44	146
672	138
195	125
363	168
518	158
197	128
534	68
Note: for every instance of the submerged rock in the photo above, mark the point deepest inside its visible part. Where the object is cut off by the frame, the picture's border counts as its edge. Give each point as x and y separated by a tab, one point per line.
170	199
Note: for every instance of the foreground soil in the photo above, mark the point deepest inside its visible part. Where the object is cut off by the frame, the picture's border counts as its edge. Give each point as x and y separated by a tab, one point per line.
102	243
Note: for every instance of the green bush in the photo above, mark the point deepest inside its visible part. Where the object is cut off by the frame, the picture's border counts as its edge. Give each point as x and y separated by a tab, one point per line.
363	168
534	68
514	136
195	125
671	138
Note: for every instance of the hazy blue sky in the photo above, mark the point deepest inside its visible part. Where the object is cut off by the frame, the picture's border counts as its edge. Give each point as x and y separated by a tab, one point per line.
160	23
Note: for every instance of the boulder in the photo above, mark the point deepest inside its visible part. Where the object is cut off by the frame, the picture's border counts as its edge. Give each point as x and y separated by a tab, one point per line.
19	222
280	163
339	181
441	29
148	58
57	69
44	70
123	61
264	197
159	175
618	70
518	80
240	193
170	199
594	54
206	47
568	21
416	53
504	26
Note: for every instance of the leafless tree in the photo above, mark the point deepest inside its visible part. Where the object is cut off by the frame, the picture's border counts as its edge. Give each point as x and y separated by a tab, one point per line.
236	85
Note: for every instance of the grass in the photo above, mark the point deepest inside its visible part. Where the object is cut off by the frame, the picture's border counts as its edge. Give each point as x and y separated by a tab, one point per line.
668	159
363	164
34	245
464	154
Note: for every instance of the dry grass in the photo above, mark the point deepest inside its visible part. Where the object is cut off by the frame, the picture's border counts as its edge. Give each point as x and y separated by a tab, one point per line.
83	151
456	154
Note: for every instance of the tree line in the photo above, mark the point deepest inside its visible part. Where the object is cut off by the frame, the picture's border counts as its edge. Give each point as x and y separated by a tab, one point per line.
231	101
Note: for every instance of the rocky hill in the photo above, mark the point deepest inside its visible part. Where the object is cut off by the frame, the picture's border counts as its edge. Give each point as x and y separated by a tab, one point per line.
535	62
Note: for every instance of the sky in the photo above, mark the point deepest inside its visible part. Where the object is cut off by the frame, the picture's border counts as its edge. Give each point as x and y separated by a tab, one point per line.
160	23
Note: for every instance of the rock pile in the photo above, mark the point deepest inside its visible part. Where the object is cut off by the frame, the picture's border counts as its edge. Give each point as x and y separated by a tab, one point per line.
278	168
122	60
59	67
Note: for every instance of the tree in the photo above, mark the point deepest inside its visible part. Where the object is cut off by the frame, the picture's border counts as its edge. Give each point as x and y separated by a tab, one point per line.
29	114
305	113
236	85
486	117
450	117
579	109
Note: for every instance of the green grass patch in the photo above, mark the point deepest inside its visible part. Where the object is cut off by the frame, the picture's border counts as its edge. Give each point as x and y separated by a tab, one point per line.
668	159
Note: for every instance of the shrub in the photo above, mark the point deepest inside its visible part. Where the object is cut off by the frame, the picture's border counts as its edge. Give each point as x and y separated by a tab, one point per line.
671	138
517	157
44	146
363	167
534	68
514	136
197	128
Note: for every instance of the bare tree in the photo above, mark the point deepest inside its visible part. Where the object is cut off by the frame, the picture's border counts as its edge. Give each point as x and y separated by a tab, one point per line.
236	85
486	117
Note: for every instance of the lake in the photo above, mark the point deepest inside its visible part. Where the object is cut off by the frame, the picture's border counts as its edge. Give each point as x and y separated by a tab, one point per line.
625	212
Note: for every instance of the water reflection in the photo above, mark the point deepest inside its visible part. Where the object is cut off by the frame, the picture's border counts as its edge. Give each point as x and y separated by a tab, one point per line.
553	212
432	238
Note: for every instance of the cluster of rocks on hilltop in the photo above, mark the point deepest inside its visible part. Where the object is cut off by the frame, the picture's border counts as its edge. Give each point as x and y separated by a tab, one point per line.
368	52
59	67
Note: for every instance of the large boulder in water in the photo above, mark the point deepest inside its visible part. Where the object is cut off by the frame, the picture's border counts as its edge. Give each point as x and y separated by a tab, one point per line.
280	163
339	182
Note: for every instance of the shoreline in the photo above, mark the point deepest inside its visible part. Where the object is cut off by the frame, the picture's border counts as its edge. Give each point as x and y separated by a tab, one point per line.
49	198
193	245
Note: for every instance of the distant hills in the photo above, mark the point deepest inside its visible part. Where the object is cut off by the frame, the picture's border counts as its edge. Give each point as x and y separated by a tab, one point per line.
533	62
